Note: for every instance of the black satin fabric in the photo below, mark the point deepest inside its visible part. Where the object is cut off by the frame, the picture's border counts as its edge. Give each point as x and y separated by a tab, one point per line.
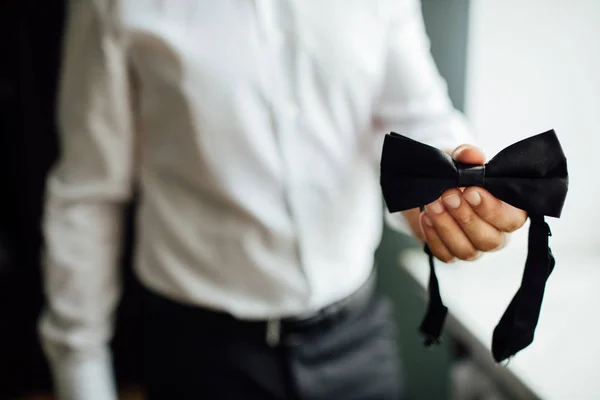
530	174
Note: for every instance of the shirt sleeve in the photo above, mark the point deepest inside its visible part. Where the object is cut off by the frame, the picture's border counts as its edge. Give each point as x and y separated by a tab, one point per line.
414	98
85	194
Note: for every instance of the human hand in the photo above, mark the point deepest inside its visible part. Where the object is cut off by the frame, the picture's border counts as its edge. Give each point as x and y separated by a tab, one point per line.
464	223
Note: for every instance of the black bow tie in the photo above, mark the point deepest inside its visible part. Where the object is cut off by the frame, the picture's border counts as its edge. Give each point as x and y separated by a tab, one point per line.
530	175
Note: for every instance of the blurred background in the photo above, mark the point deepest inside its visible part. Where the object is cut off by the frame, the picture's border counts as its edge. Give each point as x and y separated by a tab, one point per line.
516	68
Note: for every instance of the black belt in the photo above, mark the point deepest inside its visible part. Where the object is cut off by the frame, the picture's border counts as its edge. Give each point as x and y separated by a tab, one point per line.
274	331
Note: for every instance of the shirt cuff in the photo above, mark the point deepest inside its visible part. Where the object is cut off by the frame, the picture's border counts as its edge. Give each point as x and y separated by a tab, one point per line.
88	377
447	136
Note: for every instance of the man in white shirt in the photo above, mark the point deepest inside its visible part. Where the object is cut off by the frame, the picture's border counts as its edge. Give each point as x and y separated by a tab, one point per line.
253	129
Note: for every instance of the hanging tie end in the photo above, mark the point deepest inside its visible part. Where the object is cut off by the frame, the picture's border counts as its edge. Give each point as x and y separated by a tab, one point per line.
432	325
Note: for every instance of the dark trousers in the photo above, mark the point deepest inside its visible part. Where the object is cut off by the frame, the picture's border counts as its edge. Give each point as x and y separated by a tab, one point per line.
345	352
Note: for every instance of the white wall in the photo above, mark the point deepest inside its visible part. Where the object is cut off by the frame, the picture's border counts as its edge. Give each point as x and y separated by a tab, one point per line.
535	65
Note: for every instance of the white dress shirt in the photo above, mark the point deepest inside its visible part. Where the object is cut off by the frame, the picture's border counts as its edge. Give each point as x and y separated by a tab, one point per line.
254	131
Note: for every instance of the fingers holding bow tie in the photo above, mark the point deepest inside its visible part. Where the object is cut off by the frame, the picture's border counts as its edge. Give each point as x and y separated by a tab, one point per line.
463	224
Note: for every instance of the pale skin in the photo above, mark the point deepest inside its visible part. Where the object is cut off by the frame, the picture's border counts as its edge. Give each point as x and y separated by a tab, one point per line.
464	223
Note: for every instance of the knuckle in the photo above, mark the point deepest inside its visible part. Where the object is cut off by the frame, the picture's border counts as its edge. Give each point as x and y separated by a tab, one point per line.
514	224
511	226
466	218
468	254
446	257
440	253
493	212
490	244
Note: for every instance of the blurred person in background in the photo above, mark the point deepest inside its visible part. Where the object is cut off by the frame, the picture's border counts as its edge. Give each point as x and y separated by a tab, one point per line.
253	131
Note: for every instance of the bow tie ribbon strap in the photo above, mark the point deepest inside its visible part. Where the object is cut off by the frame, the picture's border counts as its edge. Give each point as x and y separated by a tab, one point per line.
530	174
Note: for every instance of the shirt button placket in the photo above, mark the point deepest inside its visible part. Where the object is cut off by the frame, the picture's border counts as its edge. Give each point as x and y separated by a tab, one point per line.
286	111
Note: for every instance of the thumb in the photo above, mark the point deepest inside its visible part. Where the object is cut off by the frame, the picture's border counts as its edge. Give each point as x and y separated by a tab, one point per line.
468	154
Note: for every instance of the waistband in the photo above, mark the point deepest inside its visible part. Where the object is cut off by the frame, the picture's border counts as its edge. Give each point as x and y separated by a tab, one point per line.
273	331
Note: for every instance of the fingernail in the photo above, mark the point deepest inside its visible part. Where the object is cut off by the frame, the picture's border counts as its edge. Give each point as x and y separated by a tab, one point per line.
427	220
473	197
459	149
452	201
475	257
463	147
436	207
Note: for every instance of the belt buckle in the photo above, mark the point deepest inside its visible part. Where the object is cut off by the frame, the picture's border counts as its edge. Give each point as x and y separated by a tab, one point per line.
273	332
